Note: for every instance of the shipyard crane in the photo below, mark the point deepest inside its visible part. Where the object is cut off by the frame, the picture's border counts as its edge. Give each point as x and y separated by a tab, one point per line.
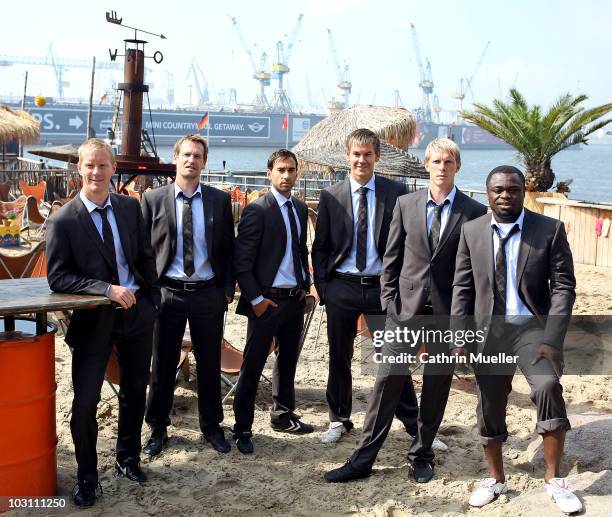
425	77
201	84
59	65
466	84
344	81
170	88
280	67
260	74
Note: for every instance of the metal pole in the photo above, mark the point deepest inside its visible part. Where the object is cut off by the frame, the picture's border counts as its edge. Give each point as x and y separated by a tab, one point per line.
287	135
90	131
23	99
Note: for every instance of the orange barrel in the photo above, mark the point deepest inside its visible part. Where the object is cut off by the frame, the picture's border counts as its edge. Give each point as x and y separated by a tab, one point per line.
28	463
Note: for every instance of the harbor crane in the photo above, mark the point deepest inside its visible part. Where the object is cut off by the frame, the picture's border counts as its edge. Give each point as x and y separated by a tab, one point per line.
200	83
260	74
344	81
466	84
425	77
280	67
59	65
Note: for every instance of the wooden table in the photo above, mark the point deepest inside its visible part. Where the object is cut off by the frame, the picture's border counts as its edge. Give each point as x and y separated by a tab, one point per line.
32	295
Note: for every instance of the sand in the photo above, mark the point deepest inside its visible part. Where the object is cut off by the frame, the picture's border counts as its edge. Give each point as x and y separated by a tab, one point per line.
285	474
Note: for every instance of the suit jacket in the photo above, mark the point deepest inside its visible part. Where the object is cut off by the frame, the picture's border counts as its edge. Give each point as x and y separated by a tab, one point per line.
78	262
334	233
159	211
260	247
410	273
545	274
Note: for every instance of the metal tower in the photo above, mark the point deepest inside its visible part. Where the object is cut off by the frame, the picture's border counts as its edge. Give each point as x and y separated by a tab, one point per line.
344	81
280	67
426	82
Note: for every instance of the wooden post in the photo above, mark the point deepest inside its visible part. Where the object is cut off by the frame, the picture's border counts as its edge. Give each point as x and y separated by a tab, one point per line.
90	132
23	99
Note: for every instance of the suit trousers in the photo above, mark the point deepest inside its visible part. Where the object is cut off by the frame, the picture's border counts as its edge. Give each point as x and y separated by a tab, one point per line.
495	384
285	323
394	383
204	309
131	331
345	301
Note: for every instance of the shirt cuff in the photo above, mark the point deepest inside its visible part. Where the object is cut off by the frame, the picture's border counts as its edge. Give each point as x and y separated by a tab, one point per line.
257	300
107	290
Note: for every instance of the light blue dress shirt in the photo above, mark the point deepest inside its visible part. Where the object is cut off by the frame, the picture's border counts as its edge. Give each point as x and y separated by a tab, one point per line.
202	267
126	277
285	276
373	262
514	304
446	209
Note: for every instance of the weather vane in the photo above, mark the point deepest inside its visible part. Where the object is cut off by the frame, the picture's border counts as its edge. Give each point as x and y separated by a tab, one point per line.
111	17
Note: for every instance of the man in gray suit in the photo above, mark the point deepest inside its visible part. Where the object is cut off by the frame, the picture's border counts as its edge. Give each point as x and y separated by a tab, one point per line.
192	233
515	275
417	275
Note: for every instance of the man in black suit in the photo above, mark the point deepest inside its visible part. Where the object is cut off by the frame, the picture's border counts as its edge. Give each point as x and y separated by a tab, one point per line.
192	233
353	219
515	277
417	276
271	263
98	244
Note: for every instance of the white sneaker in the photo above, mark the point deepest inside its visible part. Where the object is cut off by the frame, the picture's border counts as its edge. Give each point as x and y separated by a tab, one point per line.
439	445
487	491
334	433
563	494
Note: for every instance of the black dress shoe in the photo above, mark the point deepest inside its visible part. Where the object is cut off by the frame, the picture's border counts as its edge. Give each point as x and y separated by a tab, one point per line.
85	493
131	470
218	442
244	443
346	473
422	472
155	445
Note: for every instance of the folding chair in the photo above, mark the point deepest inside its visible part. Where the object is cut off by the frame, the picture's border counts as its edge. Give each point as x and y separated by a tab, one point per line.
5	188
22	265
38	191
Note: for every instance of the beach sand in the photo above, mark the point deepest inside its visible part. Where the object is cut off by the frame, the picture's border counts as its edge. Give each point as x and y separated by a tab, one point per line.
285	474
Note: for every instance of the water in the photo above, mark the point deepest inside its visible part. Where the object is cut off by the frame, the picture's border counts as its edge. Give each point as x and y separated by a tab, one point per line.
589	166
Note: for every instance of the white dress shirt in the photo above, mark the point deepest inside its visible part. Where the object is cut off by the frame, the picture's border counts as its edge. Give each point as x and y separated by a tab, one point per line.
126	277
446	209
202	267
514	304
285	276
373	262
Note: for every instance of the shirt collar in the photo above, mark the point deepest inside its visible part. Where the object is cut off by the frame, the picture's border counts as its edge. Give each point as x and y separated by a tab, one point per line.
90	205
178	191
280	199
518	221
355	185
450	198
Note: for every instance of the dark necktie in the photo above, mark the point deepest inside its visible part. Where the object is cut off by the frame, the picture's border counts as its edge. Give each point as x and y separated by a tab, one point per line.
109	243
436	225
499	300
295	246
188	265
362	229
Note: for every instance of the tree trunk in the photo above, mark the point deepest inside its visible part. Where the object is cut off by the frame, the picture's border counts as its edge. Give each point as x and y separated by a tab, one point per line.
539	176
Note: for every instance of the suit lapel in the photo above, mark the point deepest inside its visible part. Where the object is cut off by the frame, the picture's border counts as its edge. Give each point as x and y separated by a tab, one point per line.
124	237
207	204
525	245
89	228
345	198
453	219
170	202
421	218
381	197
487	236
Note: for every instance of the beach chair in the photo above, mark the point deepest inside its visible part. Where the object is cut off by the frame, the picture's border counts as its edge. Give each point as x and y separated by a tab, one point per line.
16	264
38	191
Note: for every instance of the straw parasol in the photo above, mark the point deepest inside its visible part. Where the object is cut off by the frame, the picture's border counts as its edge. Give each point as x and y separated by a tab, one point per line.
18	125
322	148
63	153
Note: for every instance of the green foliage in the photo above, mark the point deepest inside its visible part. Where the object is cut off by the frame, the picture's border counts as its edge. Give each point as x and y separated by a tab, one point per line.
539	136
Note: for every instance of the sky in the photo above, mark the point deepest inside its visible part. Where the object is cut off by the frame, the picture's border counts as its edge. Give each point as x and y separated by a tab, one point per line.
544	48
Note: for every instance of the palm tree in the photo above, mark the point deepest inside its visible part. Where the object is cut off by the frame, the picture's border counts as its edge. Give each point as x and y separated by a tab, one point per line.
536	136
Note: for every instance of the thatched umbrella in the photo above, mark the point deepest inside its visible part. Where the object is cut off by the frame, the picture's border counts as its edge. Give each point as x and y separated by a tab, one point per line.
18	125
63	153
322	148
